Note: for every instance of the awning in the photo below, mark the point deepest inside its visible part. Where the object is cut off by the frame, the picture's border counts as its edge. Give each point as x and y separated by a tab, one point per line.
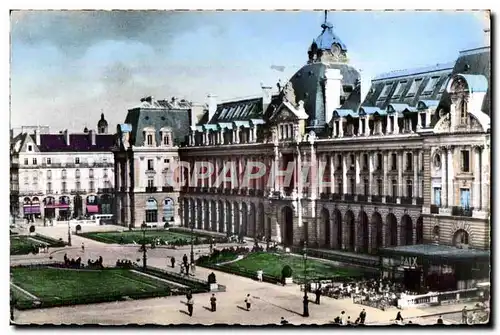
92	209
62	206
31	209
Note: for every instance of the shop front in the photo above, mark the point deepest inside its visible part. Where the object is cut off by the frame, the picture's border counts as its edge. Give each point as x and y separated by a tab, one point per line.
64	209
92	205
428	267
49	208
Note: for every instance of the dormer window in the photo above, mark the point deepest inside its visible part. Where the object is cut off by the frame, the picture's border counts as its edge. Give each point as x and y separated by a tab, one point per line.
463	111
431	85
30	148
385	91
399	89
149	138
414	87
166	137
443	85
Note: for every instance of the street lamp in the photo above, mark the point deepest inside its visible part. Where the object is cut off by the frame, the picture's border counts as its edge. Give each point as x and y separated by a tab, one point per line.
69	234
144	256
192	245
306	299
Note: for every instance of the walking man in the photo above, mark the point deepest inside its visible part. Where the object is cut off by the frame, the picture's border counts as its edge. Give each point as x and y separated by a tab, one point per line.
190	304
440	320
248	301
213	303
172	261
185	260
362	317
318	295
83	247
12	305
464	315
283	321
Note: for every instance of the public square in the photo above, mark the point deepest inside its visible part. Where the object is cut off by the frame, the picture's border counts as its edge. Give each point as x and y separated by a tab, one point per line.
270	301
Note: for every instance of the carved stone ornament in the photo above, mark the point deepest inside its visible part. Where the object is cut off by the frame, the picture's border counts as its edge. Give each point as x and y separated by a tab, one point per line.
289	93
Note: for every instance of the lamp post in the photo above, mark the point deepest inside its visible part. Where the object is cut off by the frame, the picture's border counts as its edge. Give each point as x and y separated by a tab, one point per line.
306	298
144	256
192	245
69	234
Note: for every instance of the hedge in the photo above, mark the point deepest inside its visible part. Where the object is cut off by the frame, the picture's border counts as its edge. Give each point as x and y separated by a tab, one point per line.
50	241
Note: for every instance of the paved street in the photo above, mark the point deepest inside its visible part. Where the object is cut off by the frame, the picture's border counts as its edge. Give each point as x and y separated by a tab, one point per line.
270	302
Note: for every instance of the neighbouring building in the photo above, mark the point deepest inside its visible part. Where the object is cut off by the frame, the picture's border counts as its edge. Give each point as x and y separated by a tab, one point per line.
410	164
61	176
147	145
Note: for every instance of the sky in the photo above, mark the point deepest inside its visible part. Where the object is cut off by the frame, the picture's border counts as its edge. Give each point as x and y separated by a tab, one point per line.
68	67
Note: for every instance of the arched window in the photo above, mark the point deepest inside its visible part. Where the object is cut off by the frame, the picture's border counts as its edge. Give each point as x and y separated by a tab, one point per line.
463	111
460	237
168	210
77	173
151	210
409	188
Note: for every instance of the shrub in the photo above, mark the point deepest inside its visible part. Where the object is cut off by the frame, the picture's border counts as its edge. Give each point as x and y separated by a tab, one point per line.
78	228
286	272
165	225
32	229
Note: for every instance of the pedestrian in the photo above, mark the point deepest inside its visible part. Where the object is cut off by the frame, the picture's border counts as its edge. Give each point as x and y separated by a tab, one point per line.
193	269
213	303
399	318
318	295
440	320
182	269
464	315
83	247
248	301
305	301
343	320
189	295
185	260
283	321
12	306
362	316
187	270
172	261
348	320
190	304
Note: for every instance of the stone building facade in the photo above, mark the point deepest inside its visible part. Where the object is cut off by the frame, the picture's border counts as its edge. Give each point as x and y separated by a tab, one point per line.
61	176
408	165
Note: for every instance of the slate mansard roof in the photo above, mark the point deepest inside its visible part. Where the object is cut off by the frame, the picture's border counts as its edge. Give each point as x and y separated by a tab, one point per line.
238	110
408	87
77	142
156	117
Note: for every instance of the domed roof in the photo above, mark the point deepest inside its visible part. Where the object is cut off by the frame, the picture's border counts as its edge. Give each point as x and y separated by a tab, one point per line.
327	38
308	86
102	122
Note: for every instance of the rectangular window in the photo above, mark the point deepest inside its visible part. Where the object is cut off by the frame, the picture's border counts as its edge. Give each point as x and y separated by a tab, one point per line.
26	161
151	165
385	91
165	140
399	89
91	173
49	174
353	186
366	186
409	163
431	85
30	148
77	160
394	158
465	198
437	196
394	188
409	188
339	162
365	162
465	161
91	186
380	187
150	139
63	186
379	162
353	161
49	187
414	87
49	160
34	161
166	160
151	183
78	185
340	189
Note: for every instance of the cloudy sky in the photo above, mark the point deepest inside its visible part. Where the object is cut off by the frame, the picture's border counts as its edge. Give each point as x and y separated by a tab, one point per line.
68	67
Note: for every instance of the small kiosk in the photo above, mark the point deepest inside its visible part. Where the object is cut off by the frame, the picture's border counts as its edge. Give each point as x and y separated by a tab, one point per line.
430	267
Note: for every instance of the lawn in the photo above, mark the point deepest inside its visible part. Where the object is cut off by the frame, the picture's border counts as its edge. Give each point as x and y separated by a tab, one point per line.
23	245
128	237
272	264
55	286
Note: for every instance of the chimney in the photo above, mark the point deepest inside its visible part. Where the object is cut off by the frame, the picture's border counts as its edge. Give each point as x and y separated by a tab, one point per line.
266	96
333	85
486	29
212	106
195	114
148	99
66	137
37	137
92	137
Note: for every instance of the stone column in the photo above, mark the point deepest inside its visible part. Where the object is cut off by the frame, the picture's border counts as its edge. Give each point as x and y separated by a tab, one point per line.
485	176
388	129
341	127
254	134
367	125
419	120
334	129
370	175
358	170
415	175
384	229
476	193
385	167
360	128
398	233
332	173
400	176
275	169
344	173
396	124
451	197
444	177
296	174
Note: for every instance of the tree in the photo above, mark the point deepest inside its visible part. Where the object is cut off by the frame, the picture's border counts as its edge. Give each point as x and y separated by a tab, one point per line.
286	272
32	229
